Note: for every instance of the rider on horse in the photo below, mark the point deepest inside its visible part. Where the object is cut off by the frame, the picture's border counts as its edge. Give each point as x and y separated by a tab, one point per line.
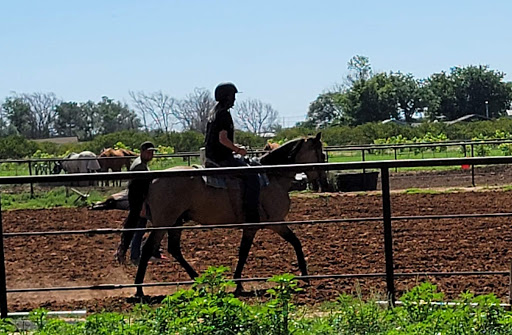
219	147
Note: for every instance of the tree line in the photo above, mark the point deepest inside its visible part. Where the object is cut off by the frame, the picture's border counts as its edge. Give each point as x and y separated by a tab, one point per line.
44	115
365	96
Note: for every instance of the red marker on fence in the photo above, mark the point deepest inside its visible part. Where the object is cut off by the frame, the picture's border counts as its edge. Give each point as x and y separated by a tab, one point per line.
465	166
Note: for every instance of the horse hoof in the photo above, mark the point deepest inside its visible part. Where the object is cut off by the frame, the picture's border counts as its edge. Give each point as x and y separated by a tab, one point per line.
238	291
120	257
140	295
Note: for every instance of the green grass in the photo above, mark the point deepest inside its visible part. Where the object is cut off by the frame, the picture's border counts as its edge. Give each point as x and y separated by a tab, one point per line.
421	191
356	156
51	198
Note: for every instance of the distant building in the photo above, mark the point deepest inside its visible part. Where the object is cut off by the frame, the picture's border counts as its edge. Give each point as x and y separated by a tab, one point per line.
59	140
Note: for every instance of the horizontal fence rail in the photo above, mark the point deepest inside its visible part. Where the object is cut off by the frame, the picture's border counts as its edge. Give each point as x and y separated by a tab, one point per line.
387	218
261	279
105	231
296	168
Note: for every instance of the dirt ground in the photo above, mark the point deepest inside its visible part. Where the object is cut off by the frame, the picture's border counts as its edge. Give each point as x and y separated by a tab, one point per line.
426	245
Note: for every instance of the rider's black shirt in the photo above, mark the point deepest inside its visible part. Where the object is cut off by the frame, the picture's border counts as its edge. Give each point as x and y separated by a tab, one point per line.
220	120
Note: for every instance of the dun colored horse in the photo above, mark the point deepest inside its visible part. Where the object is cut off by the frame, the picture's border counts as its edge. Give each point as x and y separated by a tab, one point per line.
172	201
115	165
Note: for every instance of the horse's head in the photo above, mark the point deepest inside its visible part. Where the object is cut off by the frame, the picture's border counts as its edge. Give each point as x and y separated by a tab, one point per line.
106	152
299	151
311	151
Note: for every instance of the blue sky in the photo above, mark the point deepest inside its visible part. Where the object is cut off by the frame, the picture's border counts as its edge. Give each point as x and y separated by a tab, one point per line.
281	52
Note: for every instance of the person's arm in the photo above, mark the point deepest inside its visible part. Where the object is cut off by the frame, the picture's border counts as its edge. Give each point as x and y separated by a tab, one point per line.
225	141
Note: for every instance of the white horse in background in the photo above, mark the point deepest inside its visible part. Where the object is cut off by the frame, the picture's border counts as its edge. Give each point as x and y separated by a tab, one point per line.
78	165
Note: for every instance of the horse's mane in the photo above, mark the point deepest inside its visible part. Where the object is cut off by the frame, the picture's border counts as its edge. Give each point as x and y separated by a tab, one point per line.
285	154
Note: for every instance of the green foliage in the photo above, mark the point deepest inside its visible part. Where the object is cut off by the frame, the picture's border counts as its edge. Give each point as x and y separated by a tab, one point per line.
209	308
16	147
249	139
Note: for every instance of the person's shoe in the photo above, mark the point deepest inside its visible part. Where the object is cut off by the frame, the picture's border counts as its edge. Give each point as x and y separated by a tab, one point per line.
119	256
158	258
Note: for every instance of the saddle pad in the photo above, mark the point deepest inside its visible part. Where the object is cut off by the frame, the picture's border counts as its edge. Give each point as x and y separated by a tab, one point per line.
220	181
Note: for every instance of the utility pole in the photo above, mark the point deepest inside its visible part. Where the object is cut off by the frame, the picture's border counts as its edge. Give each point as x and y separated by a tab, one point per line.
487	108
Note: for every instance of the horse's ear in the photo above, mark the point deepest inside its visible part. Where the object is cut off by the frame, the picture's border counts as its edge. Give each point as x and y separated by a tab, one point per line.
318	136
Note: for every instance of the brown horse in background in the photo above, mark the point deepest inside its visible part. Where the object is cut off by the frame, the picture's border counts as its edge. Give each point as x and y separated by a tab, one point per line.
115	165
271	146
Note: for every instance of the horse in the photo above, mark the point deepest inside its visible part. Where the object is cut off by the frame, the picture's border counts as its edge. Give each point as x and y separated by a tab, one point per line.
271	146
172	201
117	200
73	164
115	165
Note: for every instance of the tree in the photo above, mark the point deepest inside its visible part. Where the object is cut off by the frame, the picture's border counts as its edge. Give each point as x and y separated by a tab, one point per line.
324	109
410	94
360	69
19	115
42	106
70	120
255	116
115	116
157	106
465	90
192	112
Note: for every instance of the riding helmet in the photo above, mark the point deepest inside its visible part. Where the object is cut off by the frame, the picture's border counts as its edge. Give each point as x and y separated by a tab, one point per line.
224	90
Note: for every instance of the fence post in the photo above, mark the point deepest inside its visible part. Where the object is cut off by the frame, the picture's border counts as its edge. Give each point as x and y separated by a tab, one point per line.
31	184
510	287
3	280
396	158
472	166
388	237
363	158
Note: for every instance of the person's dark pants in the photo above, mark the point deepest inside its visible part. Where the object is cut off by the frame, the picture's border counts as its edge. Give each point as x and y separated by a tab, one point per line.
137	240
136	194
252	190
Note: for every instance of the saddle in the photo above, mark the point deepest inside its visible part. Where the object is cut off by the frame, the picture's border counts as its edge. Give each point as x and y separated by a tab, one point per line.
229	182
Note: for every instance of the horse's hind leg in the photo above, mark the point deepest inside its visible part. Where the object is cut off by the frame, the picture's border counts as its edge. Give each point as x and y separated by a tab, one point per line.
289	236
151	244
174	248
245	246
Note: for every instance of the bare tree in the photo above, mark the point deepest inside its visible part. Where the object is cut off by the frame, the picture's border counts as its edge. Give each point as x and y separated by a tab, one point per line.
42	106
255	116
158	106
192	112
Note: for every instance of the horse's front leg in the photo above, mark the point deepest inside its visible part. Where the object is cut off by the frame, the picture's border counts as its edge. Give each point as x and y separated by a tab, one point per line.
174	248
149	247
289	236
245	246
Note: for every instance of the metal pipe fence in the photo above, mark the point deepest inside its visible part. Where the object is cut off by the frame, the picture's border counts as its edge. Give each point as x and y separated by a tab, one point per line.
387	217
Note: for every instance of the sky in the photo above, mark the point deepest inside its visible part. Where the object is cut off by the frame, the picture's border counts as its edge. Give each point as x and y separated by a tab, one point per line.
284	53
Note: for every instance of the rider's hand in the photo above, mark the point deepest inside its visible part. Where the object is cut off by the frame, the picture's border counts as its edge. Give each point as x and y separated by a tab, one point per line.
241	151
